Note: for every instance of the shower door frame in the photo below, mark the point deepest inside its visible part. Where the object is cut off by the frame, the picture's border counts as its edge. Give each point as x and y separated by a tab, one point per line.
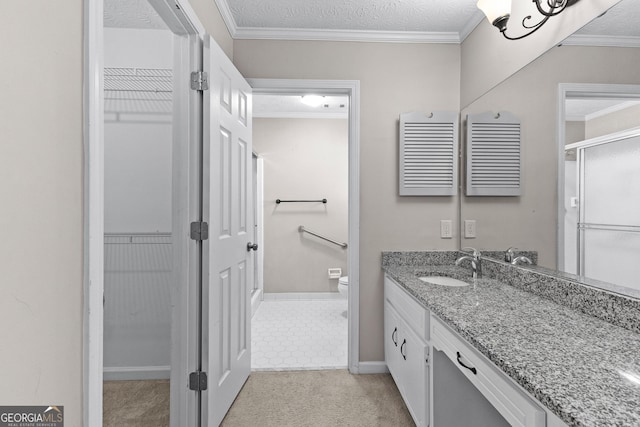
578	90
581	147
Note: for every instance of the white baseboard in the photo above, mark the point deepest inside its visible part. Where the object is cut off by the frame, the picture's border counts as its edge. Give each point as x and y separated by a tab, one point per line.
279	296
372	368
127	373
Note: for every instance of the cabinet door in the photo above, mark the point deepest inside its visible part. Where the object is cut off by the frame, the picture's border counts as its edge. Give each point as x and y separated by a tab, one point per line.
406	356
391	337
414	358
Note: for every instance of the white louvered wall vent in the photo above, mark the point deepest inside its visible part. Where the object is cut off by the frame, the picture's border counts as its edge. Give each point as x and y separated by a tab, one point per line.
428	154
494	163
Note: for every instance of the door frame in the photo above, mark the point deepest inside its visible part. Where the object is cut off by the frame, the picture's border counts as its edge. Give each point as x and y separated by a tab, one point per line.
258	199
183	22
350	88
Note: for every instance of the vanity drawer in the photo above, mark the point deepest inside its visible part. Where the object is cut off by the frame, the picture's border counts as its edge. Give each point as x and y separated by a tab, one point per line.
414	314
509	400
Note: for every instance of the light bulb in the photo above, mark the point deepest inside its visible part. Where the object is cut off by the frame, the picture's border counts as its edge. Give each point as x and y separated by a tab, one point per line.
312	100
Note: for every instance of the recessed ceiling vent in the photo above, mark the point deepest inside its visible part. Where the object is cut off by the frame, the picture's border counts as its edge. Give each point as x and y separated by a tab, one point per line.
494	164
428	153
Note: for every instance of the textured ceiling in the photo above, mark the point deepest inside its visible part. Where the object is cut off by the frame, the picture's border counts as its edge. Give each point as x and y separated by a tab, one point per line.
337	18
131	14
622	19
410	20
373	15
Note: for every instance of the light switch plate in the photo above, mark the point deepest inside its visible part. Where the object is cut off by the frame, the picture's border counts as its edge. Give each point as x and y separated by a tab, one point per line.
470	228
446	231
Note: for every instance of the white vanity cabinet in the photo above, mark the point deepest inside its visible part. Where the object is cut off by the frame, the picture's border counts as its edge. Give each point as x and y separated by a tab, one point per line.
406	325
512	403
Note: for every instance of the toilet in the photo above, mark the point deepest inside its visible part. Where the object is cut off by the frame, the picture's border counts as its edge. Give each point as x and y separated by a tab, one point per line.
343	284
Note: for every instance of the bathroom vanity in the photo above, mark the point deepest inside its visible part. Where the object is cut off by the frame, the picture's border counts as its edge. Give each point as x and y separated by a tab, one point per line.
515	347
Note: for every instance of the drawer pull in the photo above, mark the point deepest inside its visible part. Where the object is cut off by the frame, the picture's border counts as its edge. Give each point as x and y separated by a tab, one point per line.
404	356
465	366
394	334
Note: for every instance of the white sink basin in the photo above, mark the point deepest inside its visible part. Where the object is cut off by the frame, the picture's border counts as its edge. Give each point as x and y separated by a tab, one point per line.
443	281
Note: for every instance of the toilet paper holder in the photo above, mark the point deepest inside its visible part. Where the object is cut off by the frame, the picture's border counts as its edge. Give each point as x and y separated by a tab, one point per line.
335	273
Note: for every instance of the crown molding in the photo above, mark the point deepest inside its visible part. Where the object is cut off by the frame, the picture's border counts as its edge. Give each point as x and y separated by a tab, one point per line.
249	33
601	41
345	35
471	25
227	17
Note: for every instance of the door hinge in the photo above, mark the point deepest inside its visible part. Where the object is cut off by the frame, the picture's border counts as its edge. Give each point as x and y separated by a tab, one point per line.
199	230
198	381
199	80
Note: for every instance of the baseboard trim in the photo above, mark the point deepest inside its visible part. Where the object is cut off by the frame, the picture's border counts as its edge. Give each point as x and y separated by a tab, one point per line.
372	368
127	373
284	296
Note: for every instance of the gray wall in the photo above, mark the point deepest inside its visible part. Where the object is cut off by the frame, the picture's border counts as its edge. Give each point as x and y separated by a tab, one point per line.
530	221
303	159
574	131
210	17
614	122
41	160
394	78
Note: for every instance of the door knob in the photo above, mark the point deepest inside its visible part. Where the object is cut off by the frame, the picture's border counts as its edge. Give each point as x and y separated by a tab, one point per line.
252	246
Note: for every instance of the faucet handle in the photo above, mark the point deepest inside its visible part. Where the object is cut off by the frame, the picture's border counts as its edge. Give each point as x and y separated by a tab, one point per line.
509	253
476	253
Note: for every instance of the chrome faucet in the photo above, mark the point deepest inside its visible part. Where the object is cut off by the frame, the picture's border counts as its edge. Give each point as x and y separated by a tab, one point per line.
476	266
509	254
521	260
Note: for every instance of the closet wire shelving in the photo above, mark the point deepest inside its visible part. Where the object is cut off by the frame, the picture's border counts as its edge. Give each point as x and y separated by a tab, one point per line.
146	91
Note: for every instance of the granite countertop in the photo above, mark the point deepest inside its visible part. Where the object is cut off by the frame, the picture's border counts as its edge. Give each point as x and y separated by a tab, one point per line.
585	370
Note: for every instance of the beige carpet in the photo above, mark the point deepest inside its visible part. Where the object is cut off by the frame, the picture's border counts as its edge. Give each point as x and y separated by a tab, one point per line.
318	399
135	403
273	399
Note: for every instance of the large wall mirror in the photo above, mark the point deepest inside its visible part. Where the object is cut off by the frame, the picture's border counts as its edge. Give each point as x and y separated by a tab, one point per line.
585	88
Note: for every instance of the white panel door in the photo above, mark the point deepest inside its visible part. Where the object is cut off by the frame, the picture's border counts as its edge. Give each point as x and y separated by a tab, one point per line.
228	208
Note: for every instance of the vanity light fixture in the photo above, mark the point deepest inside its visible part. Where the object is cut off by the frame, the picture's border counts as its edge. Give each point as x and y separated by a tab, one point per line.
312	100
499	11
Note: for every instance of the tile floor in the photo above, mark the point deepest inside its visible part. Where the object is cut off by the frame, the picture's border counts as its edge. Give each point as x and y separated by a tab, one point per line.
299	334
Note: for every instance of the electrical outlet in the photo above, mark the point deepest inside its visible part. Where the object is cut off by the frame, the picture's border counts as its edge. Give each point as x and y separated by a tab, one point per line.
470	228
446	231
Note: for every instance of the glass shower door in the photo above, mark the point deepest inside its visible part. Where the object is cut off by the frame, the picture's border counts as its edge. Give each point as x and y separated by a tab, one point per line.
609	224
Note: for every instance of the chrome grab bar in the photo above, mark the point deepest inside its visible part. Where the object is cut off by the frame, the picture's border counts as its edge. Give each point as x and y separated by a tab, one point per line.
608	227
301	229
278	201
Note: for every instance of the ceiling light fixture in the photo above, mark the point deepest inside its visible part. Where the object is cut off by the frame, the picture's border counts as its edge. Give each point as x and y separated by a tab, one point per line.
312	100
499	11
